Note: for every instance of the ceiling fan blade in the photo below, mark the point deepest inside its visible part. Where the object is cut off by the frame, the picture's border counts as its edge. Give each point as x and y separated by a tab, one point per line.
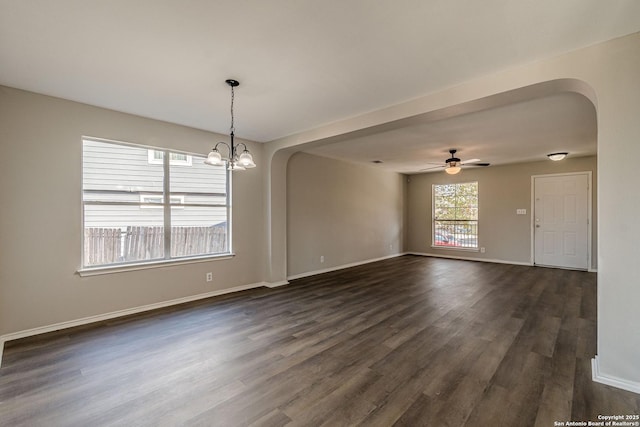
432	167
473	165
466	162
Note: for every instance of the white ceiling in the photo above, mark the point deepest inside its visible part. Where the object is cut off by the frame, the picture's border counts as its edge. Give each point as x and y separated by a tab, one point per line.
302	63
520	132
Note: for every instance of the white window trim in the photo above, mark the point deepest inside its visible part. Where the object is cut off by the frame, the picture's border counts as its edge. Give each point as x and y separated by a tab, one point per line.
156	263
122	268
433	221
455	248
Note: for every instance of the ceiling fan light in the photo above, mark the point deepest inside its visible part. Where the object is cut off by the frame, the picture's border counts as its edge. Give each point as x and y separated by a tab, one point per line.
452	170
557	156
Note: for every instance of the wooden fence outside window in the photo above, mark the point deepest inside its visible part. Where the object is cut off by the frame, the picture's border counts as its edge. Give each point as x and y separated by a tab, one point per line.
104	246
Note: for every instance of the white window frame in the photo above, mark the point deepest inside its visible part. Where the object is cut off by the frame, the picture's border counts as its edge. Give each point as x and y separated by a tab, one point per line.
167	260
475	248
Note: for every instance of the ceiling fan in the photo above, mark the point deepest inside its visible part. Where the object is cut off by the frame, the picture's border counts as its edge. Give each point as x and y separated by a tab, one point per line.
453	164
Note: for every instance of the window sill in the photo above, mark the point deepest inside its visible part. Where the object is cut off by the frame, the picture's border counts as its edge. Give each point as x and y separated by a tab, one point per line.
456	248
121	268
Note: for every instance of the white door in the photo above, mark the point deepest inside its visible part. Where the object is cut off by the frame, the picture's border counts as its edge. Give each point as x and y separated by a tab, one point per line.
561	220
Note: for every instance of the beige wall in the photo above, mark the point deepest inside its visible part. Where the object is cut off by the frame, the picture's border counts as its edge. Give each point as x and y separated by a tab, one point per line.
40	232
345	212
40	191
607	74
502	189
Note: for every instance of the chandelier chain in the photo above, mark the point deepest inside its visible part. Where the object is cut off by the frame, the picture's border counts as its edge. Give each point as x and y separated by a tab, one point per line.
232	118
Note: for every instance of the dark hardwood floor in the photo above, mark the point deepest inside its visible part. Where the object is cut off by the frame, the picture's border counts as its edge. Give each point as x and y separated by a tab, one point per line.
408	341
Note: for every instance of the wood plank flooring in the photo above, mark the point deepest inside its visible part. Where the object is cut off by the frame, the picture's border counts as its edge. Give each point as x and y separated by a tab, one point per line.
409	341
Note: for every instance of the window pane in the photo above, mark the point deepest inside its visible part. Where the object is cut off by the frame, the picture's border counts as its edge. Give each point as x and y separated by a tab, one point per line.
117	234
445	213
445	190
198	230
443	201
113	233
467	213
113	172
199	183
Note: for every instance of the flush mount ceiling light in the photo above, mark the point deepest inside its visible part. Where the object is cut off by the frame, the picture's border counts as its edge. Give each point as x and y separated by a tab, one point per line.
557	156
236	161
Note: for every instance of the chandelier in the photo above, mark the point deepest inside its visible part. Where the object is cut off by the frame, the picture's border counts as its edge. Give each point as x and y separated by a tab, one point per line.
237	160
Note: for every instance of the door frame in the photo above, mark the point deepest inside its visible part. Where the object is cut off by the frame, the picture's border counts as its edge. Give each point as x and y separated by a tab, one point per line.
589	213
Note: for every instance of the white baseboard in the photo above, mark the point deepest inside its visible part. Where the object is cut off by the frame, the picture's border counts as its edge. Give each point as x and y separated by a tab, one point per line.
496	261
120	313
276	284
135	310
343	266
598	377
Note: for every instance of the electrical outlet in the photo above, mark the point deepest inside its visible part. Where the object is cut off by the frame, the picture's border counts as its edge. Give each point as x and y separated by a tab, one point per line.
321	258
521	211
209	277
481	250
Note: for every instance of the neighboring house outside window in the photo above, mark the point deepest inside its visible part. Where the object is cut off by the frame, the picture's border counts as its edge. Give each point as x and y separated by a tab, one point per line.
137	209
152	201
156	157
455	215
